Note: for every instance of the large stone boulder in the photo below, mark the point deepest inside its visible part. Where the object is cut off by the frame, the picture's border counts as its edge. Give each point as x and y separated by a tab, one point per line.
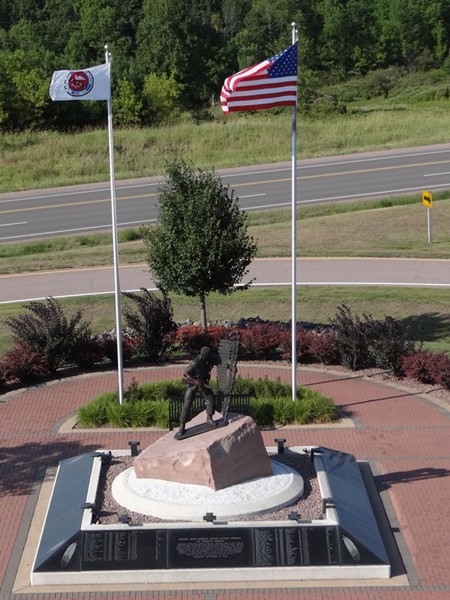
217	458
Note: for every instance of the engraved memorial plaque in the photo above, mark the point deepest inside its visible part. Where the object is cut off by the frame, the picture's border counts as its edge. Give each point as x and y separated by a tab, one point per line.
210	549
124	549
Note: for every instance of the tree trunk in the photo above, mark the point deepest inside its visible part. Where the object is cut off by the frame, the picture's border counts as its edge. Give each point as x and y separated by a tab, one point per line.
203	321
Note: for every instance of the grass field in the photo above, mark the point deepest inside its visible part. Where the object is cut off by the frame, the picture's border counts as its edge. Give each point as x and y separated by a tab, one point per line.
46	159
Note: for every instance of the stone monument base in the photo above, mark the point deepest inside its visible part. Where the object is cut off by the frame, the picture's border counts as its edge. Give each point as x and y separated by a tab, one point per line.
345	544
218	458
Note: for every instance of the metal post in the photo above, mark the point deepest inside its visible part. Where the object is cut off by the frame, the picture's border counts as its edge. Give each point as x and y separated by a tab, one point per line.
115	246
294	241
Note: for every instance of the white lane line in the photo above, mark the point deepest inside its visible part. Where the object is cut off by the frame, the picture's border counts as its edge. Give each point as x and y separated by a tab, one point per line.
436	174
12	224
280	284
345	197
252	196
340	162
369	194
61	231
89	191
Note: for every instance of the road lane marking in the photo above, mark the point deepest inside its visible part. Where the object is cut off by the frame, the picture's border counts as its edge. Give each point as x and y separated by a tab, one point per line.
61	231
371	194
281	284
72	204
12	224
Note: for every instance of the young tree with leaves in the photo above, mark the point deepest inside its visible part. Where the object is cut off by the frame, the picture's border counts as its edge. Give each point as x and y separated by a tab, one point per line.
201	244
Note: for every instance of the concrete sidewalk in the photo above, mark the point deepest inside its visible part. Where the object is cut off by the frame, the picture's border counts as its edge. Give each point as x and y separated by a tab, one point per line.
404	436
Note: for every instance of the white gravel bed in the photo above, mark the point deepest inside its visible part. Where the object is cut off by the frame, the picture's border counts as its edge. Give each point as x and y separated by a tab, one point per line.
308	507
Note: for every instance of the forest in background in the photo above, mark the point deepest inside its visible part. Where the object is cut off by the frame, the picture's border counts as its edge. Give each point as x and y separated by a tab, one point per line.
170	57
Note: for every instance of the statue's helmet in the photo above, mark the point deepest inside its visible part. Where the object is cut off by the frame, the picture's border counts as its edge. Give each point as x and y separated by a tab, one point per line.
205	352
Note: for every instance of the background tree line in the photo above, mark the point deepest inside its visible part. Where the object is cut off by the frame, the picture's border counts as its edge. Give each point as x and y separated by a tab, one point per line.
171	56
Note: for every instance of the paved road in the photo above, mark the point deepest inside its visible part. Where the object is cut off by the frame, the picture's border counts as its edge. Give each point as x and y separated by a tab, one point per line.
28	215
267	272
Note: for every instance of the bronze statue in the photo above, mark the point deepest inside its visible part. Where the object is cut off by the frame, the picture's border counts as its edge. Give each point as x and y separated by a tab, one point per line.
197	376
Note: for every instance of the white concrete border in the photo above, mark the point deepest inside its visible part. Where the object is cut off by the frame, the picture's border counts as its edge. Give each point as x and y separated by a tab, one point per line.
260	574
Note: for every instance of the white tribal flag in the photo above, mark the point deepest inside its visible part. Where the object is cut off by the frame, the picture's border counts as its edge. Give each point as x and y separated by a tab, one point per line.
93	83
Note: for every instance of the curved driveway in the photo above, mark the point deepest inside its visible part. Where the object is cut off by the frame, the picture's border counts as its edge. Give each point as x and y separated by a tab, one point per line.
266	272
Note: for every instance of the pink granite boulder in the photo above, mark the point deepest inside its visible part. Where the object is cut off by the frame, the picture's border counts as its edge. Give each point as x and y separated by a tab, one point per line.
217	458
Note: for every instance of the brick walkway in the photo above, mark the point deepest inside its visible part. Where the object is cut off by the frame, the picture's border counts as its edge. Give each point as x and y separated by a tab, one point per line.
405	437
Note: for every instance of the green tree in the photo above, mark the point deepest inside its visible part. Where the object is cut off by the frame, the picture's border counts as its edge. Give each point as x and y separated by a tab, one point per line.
161	98
201	244
127	107
267	30
188	46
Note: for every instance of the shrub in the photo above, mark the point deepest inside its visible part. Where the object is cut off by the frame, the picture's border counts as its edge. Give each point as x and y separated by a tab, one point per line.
94	413
133	393
192	339
259	339
47	331
23	365
153	325
2	376
270	402
161	390
324	348
256	388
262	411
302	347
108	346
312	407
160	414
137	414
353	337
389	343
283	410
427	367
86	351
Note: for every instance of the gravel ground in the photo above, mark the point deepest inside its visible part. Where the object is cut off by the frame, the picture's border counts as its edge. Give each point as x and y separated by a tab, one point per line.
308	507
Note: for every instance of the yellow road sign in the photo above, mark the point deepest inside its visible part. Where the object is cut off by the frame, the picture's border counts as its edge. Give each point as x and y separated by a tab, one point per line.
427	199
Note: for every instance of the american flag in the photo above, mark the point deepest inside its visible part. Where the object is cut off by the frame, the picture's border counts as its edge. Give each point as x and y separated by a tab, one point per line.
270	83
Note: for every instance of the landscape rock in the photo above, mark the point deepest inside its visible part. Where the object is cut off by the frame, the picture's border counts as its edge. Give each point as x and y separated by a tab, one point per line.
217	458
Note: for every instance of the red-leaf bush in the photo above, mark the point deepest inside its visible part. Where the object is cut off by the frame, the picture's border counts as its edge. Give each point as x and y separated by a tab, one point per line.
2	376
108	345
23	365
191	339
260	339
427	367
302	345
323	347
86	352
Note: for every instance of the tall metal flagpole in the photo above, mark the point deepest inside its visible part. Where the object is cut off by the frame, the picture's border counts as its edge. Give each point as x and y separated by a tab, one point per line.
115	245
294	240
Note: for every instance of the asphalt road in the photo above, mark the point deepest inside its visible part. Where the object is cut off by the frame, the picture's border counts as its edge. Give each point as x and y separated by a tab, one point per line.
267	272
43	213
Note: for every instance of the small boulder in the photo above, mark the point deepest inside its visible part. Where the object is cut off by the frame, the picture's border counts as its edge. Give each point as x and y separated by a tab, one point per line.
219	457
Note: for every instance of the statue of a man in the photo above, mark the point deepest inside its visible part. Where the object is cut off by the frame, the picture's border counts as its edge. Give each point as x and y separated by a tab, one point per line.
197	376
